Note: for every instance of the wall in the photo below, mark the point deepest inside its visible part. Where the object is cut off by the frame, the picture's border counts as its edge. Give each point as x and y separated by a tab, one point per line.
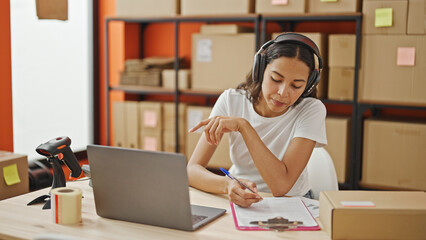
6	132
52	76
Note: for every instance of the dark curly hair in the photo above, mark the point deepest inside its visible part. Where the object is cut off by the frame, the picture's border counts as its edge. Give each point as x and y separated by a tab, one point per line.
274	51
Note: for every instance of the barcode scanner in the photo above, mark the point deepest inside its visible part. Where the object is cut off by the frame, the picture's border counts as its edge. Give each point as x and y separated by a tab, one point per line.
57	150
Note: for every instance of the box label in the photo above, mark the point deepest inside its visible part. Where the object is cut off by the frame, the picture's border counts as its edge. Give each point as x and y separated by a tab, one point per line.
279	2
150	143
406	56
11	175
150	118
383	17
357	203
204	50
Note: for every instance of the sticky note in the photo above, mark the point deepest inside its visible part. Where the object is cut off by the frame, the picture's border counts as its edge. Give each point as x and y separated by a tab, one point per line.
357	203
406	56
328	1
150	143
383	17
279	2
149	118
11	175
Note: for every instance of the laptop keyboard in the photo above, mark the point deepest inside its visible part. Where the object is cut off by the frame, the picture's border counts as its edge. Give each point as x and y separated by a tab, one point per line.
197	218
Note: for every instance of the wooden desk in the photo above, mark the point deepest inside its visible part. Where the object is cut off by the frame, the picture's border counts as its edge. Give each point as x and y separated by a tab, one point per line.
19	221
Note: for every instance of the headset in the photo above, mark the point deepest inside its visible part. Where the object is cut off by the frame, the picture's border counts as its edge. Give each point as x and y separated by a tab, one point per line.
259	64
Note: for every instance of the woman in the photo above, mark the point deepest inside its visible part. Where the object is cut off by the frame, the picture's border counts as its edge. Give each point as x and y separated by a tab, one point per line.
274	121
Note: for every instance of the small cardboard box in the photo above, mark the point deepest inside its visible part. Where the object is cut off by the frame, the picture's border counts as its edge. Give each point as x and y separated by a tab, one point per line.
151	115
224	29
341	83
221	156
393	69
416	23
147	8
394	155
270	6
151	139
373	214
118	123
341	50
169	126
132	124
216	7
341	6
338	146
52	9
184	78
384	16
13	174
213	68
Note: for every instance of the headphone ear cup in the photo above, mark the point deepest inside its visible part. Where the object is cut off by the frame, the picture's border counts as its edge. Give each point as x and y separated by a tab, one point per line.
255	73
313	81
262	66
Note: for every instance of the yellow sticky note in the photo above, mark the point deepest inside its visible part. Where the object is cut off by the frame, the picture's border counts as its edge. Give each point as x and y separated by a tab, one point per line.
328	1
383	17
11	175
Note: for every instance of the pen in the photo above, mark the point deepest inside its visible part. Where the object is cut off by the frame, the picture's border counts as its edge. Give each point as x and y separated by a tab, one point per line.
233	178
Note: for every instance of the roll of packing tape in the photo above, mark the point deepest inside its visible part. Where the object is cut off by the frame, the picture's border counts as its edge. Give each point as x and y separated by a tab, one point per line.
66	205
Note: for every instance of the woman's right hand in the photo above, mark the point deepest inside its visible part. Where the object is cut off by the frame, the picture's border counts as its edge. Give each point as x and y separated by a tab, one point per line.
238	195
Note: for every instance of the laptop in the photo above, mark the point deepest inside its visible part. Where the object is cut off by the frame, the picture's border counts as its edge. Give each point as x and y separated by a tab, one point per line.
145	187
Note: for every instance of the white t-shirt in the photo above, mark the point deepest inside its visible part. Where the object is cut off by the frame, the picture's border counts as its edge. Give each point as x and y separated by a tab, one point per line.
306	119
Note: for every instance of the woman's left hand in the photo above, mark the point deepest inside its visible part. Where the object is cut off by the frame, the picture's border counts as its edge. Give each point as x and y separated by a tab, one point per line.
216	126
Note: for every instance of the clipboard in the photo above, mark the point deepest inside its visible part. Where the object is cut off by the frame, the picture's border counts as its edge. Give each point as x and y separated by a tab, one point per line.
274	220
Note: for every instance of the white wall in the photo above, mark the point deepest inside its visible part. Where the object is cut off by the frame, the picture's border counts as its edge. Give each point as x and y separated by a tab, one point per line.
52	76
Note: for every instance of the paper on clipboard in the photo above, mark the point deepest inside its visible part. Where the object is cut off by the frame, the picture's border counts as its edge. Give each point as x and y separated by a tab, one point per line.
292	209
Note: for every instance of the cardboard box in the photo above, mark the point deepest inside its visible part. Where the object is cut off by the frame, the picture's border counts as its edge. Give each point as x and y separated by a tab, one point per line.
321	40
151	115
147	8
395	215
52	9
13	174
393	69
341	83
184	78
132	124
394	154
416	22
341	6
213	68
221	156
269	6
224	29
169	126
216	7
118	123
151	139
341	50
378	19
339	145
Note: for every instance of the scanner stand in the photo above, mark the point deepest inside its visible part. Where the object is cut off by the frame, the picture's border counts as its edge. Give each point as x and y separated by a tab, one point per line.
58	181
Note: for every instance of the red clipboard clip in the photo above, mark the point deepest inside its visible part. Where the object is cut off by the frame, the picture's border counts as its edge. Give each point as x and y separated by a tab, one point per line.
277	224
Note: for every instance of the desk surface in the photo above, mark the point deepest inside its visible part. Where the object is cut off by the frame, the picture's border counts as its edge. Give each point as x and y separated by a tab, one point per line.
18	221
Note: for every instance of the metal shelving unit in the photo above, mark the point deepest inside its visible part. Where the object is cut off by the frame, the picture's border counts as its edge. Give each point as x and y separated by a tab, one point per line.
289	21
254	18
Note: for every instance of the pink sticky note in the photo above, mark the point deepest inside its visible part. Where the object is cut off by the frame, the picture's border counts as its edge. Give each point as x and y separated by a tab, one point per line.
150	143
406	56
149	118
279	2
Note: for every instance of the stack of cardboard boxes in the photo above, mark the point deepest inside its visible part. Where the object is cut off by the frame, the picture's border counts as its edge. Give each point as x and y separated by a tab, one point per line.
393	72
310	6
145	72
